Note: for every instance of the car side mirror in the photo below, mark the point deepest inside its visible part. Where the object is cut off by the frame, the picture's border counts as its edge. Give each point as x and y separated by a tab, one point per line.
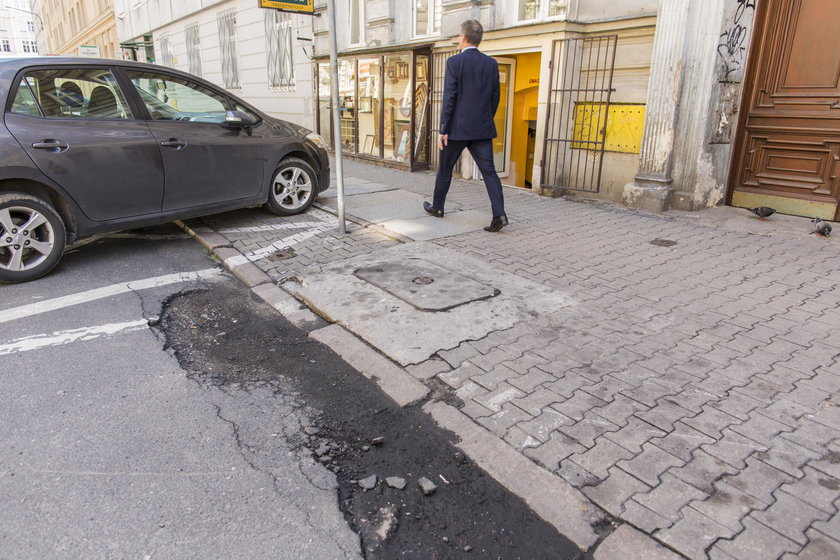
238	119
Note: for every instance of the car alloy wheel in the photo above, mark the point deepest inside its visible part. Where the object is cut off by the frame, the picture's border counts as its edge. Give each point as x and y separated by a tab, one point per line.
32	238
293	188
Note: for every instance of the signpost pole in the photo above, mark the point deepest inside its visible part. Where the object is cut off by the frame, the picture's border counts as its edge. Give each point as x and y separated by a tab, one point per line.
339	164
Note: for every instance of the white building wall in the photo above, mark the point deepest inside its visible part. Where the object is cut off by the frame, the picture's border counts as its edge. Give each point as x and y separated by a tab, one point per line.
13	26
171	17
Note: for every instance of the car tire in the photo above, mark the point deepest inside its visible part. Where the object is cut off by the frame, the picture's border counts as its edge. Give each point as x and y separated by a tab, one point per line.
27	254
294	187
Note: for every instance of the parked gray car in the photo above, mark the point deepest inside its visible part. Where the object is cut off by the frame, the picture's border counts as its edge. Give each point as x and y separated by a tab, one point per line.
91	146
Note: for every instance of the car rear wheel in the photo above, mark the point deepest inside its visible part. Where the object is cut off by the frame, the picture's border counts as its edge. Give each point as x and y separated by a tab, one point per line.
293	187
32	237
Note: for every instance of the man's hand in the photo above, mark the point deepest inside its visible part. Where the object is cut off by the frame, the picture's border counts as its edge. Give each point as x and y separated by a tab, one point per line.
443	140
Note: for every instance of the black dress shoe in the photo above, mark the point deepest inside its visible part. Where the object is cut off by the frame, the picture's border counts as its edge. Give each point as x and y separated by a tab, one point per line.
431	210
497	223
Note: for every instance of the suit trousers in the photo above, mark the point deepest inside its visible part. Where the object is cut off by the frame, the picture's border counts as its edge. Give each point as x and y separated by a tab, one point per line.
482	152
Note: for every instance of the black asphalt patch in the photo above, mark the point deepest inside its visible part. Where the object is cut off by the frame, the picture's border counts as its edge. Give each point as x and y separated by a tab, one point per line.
224	337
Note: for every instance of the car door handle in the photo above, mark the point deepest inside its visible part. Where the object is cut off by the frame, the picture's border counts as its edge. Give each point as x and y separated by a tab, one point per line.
174	143
50	144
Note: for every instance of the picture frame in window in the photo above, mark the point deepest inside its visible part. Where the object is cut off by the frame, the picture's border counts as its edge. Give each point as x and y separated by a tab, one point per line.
368	145
421	71
365	105
392	73
402	70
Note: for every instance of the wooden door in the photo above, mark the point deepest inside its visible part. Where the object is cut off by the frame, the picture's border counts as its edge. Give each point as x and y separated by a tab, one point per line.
787	152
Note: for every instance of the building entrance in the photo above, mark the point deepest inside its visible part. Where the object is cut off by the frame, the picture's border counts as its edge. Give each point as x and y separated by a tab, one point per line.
787	152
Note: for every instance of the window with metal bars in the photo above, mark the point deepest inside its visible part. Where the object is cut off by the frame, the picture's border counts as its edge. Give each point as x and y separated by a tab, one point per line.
193	49
278	36
166	57
227	41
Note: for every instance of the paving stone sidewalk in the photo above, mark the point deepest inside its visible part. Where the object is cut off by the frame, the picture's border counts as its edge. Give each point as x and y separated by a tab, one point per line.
692	393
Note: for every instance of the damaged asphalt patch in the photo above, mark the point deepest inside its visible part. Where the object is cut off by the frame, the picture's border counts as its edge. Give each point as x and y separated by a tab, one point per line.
380	453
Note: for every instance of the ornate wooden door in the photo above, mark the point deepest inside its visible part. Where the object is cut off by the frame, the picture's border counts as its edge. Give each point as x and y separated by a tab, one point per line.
787	152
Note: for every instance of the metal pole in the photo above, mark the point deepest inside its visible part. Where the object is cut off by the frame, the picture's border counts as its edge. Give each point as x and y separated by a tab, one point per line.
339	164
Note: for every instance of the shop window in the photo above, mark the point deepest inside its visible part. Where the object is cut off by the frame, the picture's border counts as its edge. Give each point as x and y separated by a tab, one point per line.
426	17
421	109
357	22
370	142
226	22
324	103
541	9
347	103
397	105
193	40
384	105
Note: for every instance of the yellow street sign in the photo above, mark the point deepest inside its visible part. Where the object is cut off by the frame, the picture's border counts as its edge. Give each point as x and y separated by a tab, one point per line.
297	6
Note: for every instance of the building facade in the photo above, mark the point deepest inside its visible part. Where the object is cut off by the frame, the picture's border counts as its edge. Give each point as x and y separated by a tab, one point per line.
19	26
657	104
258	54
78	28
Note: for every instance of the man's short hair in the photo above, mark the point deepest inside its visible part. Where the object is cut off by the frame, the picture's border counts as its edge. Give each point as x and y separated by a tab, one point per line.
472	32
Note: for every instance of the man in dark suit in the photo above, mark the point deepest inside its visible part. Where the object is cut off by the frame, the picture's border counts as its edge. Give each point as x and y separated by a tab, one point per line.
470	99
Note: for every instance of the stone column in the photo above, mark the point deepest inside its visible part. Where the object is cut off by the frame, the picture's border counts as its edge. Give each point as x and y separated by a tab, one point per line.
652	188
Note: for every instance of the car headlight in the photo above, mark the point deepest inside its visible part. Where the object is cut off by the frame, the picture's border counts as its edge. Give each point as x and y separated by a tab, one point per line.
317	139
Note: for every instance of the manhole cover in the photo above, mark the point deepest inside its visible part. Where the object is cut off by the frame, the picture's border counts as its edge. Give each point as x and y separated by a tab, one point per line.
663	242
425	285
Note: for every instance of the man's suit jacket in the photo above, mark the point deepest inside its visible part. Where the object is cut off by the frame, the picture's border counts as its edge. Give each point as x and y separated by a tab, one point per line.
470	96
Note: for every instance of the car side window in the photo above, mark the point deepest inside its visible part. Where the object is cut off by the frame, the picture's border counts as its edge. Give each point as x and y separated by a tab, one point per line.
24	102
171	98
82	93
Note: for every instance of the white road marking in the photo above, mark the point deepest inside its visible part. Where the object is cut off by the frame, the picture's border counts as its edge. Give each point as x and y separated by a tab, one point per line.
107	291
270	227
59	338
328	222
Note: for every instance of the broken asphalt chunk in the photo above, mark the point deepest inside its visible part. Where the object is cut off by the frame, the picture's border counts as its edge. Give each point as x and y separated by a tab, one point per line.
395	482
427	486
368	483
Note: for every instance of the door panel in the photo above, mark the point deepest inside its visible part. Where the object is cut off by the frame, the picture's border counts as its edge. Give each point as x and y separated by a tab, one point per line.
204	161
76	126
788	148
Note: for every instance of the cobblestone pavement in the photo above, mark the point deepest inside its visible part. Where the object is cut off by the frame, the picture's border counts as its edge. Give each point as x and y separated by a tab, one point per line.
693	391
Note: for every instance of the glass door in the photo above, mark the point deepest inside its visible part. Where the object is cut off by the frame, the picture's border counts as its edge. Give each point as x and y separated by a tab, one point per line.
501	144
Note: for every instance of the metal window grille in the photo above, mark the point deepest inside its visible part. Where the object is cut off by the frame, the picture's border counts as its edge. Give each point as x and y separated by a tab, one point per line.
227	41
166	57
193	39
578	107
438	74
278	36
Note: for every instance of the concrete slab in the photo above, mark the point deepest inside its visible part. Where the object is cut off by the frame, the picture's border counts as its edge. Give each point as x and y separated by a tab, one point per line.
627	543
353	187
406	334
425	285
427	228
388	205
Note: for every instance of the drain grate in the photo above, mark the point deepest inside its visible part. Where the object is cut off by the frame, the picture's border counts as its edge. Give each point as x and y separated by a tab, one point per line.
282	255
663	242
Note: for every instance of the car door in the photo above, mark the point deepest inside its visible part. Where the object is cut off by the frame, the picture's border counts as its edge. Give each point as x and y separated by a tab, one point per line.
205	162
90	143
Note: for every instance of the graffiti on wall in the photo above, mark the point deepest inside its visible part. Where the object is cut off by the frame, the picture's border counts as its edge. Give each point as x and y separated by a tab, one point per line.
732	47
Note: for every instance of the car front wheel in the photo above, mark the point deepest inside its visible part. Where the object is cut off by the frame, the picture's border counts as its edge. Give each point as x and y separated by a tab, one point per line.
293	187
32	237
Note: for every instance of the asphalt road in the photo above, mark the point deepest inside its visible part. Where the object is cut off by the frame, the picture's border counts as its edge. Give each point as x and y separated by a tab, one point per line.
110	450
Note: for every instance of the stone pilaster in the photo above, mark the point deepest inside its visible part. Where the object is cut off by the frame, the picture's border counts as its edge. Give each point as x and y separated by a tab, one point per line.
651	189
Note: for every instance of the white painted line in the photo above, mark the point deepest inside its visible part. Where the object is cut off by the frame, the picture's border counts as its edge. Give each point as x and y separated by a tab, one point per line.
270	227
59	338
106	291
285	243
